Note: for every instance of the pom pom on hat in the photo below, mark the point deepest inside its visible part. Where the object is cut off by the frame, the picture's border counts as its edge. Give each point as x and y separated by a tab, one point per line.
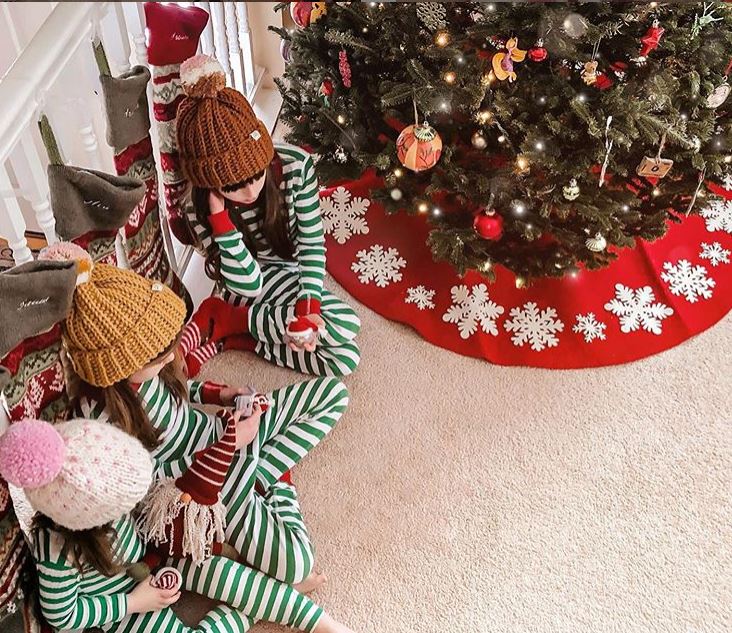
31	454
66	252
202	76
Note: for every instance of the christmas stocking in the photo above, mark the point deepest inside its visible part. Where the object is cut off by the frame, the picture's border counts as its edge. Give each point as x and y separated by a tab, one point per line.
174	34
128	133
36	297
89	206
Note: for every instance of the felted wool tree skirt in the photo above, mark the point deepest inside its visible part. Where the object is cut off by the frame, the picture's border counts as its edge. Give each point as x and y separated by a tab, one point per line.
650	299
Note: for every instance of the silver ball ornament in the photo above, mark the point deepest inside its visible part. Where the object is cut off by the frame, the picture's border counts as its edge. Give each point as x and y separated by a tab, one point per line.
396	194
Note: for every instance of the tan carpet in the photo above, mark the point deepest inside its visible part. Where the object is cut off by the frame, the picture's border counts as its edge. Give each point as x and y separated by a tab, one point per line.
460	497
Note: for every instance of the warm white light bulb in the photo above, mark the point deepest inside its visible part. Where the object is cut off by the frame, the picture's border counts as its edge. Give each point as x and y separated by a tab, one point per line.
539	146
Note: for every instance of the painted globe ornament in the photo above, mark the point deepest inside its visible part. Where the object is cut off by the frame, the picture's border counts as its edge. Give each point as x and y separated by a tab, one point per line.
571	191
419	147
575	25
596	244
306	13
478	140
719	95
489	225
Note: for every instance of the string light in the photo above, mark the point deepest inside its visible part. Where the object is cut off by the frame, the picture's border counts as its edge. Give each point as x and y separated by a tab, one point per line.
626	208
501	139
445	106
488	78
484	116
542	100
398	172
365	29
491	7
522	164
520	282
582	97
460	59
539	146
728	159
341	119
519	208
653	5
656	192
423	207
449	77
436	211
442	38
486	266
684	116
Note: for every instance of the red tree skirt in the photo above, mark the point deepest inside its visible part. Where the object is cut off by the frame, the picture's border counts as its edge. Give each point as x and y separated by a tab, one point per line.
650	299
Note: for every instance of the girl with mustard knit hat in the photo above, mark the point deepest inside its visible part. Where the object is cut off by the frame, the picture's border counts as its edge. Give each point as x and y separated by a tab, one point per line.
83	478
120	336
256	214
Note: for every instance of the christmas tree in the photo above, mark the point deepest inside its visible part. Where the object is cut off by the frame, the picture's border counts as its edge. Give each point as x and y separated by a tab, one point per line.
544	134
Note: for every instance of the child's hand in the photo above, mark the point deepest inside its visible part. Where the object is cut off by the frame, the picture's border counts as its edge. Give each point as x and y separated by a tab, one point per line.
216	202
247	428
144	597
227	395
316	320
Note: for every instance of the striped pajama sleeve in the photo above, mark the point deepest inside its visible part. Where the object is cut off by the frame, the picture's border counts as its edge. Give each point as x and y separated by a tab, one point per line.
239	269
310	241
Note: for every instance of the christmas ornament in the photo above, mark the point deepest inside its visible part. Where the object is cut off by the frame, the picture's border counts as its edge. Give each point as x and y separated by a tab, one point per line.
571	191
345	68
589	72
432	15
167	578
596	244
489	225
419	147
603	82
619	70
655	167
286	50
651	39
306	13
608	149
537	53
340	155
478	140
574	25
719	95
503	62
706	18
326	90
396	194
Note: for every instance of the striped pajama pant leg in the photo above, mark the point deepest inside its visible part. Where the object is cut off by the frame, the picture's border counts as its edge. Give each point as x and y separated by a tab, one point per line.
221	619
337	353
268	529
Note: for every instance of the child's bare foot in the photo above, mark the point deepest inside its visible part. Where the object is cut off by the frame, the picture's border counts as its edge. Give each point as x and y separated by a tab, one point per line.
329	625
311	583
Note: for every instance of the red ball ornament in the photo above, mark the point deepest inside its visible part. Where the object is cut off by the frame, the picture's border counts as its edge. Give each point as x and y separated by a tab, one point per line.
489	225
419	147
537	53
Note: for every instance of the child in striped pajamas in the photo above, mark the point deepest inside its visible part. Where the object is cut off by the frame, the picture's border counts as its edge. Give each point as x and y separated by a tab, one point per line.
256	214
120	335
78	476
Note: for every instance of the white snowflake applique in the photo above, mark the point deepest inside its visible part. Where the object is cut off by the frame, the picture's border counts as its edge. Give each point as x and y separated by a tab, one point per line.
470	307
534	326
590	327
378	265
636	309
687	280
715	253
421	297
718	215
343	216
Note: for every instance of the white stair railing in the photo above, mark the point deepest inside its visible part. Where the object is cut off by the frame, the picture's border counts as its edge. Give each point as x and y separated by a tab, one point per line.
56	74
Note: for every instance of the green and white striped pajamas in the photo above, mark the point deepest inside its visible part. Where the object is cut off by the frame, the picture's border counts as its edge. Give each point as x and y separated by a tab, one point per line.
73	600
264	522
285	288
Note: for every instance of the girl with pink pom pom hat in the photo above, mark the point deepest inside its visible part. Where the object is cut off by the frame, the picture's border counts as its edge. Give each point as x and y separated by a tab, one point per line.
84	478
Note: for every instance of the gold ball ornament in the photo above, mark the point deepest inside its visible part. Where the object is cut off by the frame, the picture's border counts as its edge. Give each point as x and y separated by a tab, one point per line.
478	140
419	147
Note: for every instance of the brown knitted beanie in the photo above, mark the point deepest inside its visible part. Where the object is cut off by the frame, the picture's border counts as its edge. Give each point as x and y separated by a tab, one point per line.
119	322
220	140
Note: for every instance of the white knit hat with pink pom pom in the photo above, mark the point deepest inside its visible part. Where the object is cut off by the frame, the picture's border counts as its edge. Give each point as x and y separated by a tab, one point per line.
81	473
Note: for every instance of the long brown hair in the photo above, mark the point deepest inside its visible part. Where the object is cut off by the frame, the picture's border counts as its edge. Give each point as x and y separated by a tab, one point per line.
275	221
92	547
123	405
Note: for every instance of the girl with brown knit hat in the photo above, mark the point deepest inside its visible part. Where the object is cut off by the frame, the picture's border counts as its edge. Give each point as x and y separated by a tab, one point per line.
120	336
256	214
